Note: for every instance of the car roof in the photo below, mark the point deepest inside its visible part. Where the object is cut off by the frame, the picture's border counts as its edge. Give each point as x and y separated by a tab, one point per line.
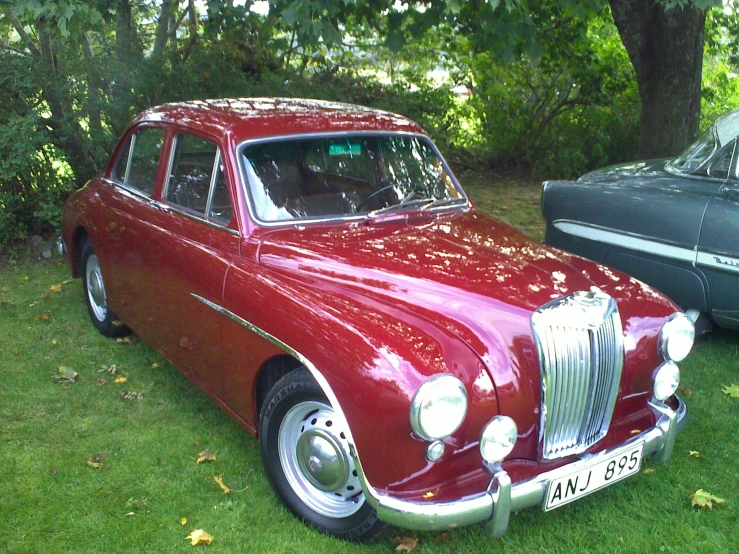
250	118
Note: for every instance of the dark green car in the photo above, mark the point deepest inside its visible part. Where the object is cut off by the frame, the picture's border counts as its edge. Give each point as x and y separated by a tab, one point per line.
673	223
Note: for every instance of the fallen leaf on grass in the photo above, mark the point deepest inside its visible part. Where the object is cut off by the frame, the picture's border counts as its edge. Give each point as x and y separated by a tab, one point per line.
54	342
183	521
219	480
124	340
16	351
66	374
56	288
108	369
120	379
703	499
206	456
444	538
96	461
131	395
199	537
44	316
731	390
155	365
102	381
687	392
406	544
649	471
130	514
694	453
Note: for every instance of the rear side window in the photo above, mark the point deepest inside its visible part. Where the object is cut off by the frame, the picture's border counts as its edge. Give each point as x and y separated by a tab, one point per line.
196	179
139	160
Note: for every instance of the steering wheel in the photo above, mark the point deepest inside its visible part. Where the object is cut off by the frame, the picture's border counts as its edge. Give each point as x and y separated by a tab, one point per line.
363	203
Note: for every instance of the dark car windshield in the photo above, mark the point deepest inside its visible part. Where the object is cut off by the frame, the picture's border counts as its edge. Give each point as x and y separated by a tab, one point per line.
697	153
329	177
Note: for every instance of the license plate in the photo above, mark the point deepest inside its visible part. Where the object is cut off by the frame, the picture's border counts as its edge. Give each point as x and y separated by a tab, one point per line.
599	474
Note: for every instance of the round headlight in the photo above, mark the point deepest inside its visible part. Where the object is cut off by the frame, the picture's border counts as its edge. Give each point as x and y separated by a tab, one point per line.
676	338
439	407
666	381
498	439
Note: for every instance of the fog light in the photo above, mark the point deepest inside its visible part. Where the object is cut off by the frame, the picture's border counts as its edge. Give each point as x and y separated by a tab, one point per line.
666	381
498	439
434	451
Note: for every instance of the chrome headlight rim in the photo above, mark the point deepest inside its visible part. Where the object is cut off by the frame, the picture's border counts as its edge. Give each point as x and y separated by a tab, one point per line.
677	327
666	381
498	439
436	388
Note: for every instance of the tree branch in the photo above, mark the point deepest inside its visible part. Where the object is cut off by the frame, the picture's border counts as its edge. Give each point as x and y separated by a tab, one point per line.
21	31
7	46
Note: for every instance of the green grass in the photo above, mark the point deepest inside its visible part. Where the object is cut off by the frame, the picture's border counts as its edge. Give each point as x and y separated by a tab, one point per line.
52	501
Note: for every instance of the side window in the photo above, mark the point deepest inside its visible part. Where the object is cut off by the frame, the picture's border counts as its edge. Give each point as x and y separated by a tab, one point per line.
119	171
719	168
192	178
220	206
144	160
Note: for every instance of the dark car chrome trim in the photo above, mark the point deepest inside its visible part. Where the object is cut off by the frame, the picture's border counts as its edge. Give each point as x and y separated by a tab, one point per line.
627	240
718	260
333	134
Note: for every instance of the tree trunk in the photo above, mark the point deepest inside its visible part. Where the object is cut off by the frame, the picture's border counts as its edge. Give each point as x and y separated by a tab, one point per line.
666	49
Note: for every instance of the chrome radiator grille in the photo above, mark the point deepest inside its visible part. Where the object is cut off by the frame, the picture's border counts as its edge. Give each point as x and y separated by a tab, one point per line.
579	340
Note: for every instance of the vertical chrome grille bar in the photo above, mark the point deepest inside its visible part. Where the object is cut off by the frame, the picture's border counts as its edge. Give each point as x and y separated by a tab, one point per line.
579	340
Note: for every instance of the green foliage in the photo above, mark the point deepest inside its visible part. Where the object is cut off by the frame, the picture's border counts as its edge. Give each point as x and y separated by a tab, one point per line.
572	108
33	186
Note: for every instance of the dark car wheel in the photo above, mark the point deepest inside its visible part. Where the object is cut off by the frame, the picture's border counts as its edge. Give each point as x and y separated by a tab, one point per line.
306	455
101	315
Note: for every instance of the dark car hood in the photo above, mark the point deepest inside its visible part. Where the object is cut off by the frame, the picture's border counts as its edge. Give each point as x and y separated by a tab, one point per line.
647	170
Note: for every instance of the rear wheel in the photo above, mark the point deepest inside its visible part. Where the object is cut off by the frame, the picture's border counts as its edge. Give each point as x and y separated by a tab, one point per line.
305	452
101	315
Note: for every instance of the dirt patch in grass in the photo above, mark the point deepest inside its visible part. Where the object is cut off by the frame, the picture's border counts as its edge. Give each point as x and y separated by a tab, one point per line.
513	200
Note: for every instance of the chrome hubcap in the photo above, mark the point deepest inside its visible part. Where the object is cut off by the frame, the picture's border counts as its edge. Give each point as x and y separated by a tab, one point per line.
96	288
314	454
322	460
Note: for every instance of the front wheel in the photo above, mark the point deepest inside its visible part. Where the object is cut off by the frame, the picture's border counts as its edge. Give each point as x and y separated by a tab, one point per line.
101	315
305	452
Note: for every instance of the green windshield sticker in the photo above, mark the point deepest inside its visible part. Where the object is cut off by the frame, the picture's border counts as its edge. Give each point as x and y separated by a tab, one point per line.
344	149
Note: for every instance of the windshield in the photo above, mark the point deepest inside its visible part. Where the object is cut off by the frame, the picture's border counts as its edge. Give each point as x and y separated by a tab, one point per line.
330	177
697	153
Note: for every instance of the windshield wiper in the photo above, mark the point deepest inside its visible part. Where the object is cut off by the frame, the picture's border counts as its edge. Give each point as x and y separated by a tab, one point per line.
435	202
406	202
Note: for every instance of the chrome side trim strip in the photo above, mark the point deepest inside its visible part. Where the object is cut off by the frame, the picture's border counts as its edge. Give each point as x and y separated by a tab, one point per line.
720	261
320	379
631	241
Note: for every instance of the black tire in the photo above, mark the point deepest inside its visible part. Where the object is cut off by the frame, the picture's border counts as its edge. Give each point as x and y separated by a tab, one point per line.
101	315
297	409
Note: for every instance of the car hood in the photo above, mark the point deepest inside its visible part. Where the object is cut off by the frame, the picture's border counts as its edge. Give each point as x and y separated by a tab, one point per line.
405	284
468	257
641	172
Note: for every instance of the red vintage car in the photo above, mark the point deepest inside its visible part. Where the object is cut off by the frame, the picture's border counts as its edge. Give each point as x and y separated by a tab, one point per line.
318	271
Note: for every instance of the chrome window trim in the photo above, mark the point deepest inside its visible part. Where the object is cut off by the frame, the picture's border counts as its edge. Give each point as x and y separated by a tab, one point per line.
212	186
168	207
130	156
332	134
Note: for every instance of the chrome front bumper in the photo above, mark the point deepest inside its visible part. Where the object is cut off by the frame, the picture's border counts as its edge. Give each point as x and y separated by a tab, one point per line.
495	505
